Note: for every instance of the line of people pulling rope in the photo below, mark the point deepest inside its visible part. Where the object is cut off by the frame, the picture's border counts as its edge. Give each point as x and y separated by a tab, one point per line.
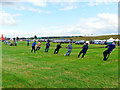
83	51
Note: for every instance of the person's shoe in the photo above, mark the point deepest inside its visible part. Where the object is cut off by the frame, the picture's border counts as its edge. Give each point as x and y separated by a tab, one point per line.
104	59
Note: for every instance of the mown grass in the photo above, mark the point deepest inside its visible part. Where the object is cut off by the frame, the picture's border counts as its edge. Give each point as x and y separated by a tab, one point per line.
22	69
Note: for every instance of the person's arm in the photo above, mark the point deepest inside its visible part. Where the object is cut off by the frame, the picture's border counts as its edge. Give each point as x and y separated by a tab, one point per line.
66	47
107	46
82	46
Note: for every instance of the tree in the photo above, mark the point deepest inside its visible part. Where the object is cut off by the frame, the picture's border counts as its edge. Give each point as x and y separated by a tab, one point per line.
17	38
23	38
13	39
35	37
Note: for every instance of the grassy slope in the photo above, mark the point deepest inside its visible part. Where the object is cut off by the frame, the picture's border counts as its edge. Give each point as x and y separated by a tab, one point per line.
22	69
95	37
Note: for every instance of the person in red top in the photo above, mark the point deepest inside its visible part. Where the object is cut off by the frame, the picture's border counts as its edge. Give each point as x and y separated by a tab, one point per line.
14	43
38	46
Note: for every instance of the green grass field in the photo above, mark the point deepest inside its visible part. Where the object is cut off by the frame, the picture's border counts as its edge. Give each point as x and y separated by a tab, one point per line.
22	69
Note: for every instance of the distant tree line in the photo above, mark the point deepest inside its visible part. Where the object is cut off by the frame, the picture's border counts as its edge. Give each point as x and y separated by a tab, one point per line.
35	37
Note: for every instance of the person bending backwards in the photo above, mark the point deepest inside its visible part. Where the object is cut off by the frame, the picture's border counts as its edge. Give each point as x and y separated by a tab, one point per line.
69	50
57	49
84	50
33	46
38	46
47	46
109	50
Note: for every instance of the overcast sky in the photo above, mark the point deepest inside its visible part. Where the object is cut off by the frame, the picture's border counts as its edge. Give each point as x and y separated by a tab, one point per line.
58	18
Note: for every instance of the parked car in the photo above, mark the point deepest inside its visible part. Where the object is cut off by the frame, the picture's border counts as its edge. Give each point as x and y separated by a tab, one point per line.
91	41
73	41
102	42
80	42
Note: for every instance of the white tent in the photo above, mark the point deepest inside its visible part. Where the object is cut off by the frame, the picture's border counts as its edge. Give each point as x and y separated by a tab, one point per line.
117	39
110	40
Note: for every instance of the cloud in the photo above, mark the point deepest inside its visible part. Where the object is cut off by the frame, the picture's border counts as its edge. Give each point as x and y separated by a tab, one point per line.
94	3
15	15
41	3
20	8
102	24
48	12
35	10
7	19
69	8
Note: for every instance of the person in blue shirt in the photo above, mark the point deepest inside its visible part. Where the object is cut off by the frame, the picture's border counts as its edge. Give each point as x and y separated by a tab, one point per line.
33	46
69	50
47	46
28	42
84	50
109	50
15	43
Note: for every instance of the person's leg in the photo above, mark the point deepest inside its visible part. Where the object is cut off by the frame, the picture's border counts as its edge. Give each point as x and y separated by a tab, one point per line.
105	55
83	54
79	54
38	48
47	49
69	52
57	51
32	50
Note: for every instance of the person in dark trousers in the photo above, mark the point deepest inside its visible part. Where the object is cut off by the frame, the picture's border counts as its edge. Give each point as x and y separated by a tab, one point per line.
84	50
11	44
109	50
69	50
28	41
57	49
47	46
118	43
33	46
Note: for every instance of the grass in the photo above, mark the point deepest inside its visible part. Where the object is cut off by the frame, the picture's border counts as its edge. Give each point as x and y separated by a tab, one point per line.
22	69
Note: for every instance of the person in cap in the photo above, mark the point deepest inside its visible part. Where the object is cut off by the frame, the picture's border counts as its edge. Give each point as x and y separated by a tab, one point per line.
69	50
47	46
109	50
57	49
33	46
84	50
